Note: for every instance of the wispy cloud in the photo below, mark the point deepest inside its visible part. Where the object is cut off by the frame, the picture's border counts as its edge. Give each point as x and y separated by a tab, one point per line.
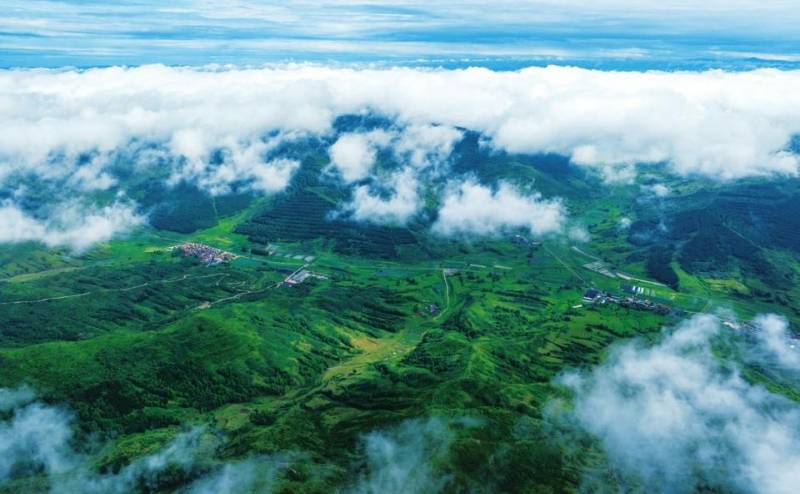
38	440
405	458
52	32
74	225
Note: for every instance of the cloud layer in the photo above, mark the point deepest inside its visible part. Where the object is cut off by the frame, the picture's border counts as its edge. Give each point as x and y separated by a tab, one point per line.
677	418
714	123
225	129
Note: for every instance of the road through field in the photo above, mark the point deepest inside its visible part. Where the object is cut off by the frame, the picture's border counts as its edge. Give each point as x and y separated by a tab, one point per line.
109	290
446	295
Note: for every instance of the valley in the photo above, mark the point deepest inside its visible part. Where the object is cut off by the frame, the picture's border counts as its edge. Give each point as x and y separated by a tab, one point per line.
301	338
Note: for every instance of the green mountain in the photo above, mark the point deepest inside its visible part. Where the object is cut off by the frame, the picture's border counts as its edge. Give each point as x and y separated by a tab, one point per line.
329	348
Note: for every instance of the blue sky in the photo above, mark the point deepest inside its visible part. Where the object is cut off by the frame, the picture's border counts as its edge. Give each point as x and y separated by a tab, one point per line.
618	33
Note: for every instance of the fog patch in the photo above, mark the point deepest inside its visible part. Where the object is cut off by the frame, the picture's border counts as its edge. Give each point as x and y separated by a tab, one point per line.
72	224
13	398
776	344
405	458
578	234
37	439
676	418
251	475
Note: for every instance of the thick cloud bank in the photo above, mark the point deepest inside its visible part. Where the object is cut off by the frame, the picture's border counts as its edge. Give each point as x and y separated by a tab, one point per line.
677	418
227	130
714	123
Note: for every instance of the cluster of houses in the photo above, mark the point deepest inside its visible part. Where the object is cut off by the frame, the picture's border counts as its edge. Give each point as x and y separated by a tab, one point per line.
207	254
594	296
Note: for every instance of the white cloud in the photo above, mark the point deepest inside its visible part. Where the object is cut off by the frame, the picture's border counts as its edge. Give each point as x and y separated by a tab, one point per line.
37	439
402	202
421	146
243	163
272	176
657	190
91	176
422	151
677	418
72	224
718	124
36	434
253	173
13	398
578	234
471	208
401	460
353	155
427	145
221	127
777	343
251	475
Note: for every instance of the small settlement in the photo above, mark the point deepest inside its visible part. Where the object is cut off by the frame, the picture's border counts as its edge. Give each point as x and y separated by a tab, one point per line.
207	254
594	296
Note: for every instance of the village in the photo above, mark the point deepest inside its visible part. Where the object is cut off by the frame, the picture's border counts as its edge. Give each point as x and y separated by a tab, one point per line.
207	254
595	296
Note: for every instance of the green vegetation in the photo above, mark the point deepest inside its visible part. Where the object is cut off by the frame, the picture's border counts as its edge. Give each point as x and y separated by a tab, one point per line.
138	342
